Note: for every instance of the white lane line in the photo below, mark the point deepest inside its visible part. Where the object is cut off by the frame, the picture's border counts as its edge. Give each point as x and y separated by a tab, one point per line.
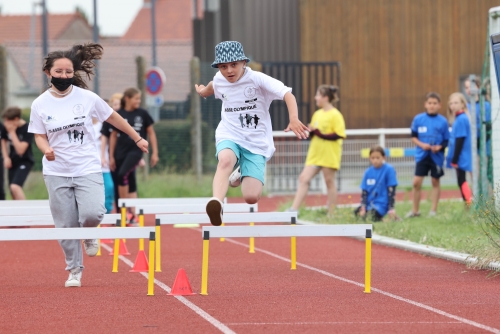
343	323
216	323
388	294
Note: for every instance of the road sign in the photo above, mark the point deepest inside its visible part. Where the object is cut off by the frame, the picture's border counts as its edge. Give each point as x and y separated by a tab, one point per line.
154	100
155	79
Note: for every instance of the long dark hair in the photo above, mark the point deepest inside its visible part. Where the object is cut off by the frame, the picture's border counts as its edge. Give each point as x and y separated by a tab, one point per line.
83	58
130	93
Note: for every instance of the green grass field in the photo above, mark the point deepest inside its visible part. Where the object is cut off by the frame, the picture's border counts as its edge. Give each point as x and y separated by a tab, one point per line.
156	185
454	228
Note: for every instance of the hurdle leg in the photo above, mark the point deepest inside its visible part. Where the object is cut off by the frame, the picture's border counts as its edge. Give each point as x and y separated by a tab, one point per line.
151	260
204	266
115	255
98	245
293	250
141	224
251	243
368	261
158	246
123	211
222	239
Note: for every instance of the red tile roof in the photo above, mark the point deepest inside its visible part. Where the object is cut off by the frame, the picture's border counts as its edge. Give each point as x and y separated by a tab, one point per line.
173	22
17	27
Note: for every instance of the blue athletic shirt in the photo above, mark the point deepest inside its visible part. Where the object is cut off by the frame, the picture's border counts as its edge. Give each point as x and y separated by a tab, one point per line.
461	128
375	182
432	130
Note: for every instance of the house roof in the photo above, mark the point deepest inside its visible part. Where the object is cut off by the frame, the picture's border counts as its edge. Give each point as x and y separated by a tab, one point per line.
18	27
173	21
117	68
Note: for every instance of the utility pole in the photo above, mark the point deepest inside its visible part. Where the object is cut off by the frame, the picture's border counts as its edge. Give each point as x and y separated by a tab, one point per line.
153	30
45	42
95	35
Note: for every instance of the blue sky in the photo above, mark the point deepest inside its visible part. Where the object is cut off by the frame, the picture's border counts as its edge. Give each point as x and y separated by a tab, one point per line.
113	17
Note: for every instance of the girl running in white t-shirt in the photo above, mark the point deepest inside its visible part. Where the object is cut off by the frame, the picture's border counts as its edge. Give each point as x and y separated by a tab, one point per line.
244	135
72	168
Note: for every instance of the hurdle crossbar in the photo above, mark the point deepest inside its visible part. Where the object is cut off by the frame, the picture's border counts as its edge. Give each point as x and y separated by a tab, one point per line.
24	203
131	202
193	208
22	210
293	231
44	220
229	218
87	233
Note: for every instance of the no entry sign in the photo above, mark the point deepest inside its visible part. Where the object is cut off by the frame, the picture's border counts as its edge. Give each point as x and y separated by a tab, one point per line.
155	79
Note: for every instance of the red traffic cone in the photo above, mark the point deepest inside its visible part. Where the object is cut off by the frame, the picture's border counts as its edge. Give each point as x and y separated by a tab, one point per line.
141	263
181	285
123	249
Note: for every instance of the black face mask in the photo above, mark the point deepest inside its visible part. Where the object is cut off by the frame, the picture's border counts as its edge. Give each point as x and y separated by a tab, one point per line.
62	83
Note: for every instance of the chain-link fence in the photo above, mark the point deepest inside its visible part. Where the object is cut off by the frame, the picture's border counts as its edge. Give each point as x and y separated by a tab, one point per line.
284	168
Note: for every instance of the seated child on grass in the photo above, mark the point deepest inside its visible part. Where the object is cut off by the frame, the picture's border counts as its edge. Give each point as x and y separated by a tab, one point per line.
378	188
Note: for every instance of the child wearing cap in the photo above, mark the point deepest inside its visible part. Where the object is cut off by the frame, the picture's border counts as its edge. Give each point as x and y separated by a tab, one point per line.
244	135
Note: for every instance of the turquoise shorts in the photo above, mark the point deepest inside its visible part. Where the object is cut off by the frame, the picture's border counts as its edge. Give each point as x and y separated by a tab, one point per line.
252	165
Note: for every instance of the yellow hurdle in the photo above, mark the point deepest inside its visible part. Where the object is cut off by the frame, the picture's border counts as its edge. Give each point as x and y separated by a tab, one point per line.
293	250
98	245
204	266
368	261
141	224
115	255
151	260
123	211
158	246
251	243
222	239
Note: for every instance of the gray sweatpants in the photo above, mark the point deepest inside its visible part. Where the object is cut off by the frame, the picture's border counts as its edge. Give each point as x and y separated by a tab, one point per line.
75	202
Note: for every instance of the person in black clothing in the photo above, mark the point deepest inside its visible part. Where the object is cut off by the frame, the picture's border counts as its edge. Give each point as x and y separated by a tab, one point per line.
123	153
20	159
2	190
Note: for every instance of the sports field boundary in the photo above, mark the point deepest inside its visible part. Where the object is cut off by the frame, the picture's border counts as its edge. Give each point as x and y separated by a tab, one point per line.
422	249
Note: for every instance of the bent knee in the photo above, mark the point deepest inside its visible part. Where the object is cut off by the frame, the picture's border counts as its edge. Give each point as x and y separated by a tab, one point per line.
91	219
251	198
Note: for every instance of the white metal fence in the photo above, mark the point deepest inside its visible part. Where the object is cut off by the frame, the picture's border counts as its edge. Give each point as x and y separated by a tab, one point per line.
288	161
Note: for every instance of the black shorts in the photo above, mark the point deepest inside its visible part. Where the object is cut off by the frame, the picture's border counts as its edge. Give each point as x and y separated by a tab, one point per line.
424	166
125	167
19	172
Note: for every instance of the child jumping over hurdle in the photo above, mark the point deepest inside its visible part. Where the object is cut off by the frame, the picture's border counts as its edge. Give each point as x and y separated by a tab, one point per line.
378	188
246	95
429	132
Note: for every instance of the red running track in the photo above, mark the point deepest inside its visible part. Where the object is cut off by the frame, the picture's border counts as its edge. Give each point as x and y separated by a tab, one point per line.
248	293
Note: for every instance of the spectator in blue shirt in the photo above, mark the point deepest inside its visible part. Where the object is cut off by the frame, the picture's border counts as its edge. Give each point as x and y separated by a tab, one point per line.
378	188
460	149
429	132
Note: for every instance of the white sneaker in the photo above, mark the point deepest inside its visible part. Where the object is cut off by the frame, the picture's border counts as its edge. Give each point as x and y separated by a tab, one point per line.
74	279
235	178
214	211
432	213
91	246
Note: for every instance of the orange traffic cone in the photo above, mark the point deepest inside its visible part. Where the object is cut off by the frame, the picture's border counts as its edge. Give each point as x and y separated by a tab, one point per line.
123	249
141	263
181	285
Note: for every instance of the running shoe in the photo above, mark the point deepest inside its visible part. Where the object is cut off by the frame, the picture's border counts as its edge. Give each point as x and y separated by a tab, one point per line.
74	279
214	211
412	214
235	178
91	246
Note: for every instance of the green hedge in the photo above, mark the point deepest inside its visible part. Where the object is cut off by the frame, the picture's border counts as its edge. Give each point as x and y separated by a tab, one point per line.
174	145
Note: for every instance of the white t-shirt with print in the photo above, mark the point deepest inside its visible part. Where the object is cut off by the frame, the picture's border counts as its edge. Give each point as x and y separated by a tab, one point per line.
245	110
67	122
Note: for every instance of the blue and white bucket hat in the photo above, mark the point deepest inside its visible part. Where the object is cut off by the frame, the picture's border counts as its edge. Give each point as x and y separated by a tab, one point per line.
227	52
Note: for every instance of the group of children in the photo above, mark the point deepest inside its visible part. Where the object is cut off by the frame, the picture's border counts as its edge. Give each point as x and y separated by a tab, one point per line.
78	173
